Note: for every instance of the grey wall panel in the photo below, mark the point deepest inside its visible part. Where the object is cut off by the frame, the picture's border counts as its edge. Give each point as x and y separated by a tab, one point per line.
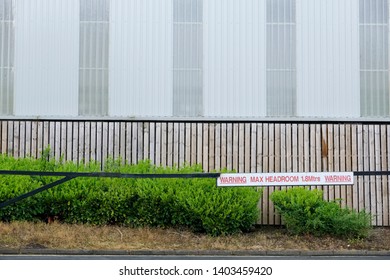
141	58
234	58
46	57
328	58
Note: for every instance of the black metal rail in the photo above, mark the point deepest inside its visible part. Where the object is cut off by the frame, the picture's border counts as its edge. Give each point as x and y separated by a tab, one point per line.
67	176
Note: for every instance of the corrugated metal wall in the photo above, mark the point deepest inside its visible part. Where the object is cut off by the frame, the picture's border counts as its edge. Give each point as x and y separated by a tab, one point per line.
328	58
141	58
46	57
234	58
7	45
195	58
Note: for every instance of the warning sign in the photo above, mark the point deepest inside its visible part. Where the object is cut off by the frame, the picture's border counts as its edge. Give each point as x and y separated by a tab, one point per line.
285	179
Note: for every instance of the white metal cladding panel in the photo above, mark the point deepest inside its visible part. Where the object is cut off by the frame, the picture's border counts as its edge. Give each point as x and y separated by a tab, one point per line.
328	58
46	57
234	58
7	45
141	58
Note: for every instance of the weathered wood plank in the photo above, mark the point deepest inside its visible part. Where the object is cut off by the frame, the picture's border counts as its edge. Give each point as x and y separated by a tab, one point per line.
355	166
253	152
336	157
193	143
199	144
145	126
187	151
386	181
361	159
134	142
158	144
218	148
378	184
295	148
16	139
10	138
170	144
235	148
211	156
385	185
140	141
271	168
366	164
93	147
181	144
123	142
75	143
176	144
164	150
99	141
229	146
265	198
205	155
22	139
116	141
224	146
241	147
301	149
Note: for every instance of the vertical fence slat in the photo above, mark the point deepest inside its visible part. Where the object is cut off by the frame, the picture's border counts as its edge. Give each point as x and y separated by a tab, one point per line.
224	146
205	155
241	147
378	185
16	136
75	144
164	144
187	143
385	186
193	143
176	144
145	140
355	166
218	147
93	155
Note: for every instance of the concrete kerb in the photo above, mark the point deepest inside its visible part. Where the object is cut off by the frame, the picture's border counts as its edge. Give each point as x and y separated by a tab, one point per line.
41	251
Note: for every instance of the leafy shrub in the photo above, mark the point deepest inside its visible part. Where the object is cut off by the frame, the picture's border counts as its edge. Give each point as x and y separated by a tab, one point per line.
194	203
305	211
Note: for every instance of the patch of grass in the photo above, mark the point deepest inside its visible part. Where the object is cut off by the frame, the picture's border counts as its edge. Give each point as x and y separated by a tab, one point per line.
266	238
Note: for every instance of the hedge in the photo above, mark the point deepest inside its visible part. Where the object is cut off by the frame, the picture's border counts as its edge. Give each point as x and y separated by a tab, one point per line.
193	203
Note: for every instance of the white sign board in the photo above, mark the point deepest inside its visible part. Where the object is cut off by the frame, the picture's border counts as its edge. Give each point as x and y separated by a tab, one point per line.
285	179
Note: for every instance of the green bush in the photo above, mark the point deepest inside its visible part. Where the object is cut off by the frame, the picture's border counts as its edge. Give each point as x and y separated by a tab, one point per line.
305	211
194	203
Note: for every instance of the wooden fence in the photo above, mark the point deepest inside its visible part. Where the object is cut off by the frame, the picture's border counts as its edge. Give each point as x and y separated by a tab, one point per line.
240	146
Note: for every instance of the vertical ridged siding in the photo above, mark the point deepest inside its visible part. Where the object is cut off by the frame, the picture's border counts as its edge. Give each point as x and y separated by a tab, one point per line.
7	45
281	58
93	53
328	58
234	58
374	57
46	57
187	58
141	58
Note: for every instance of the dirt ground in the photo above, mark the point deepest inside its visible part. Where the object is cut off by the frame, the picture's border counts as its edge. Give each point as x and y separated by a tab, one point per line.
63	236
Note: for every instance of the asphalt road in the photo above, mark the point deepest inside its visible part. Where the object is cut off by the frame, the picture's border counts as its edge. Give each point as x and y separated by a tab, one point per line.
195	257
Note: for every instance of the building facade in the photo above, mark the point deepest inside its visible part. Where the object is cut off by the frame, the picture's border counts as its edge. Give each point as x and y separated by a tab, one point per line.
249	85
